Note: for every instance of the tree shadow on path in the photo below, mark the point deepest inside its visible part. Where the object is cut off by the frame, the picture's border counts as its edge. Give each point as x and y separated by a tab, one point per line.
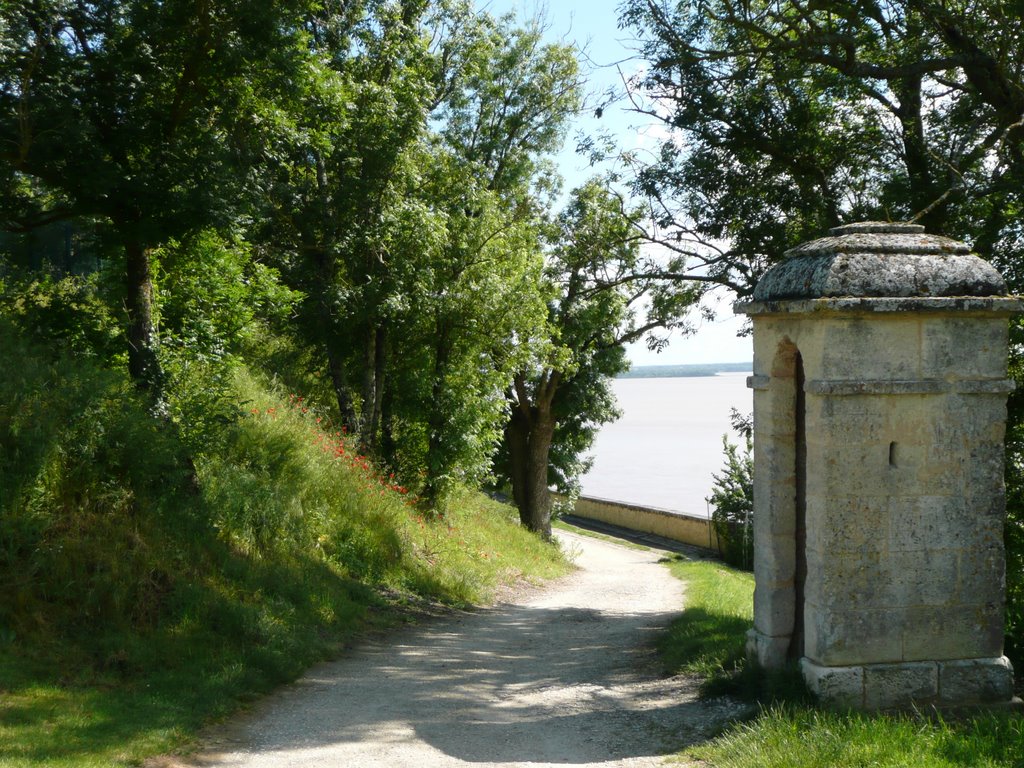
509	685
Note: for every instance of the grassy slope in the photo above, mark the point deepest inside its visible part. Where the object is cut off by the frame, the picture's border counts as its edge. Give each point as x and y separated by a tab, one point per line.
789	733
143	598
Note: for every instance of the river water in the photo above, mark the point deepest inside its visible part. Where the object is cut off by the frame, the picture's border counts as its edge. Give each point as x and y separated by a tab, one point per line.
664	449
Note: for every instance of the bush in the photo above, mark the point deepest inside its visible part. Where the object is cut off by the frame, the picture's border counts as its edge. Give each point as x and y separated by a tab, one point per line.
69	314
87	480
732	496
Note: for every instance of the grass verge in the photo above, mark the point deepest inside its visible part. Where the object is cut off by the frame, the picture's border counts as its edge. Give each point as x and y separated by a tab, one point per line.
788	731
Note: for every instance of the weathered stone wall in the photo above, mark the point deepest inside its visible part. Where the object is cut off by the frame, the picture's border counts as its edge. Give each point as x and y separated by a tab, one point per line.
908	557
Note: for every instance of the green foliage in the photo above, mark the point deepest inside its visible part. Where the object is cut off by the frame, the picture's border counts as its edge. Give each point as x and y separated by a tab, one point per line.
475	303
144	117
215	304
514	98
787	119
480	307
131	111
71	313
732	497
385	161
214	299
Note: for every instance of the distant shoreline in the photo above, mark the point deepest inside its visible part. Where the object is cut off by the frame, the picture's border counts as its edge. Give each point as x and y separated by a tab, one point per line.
679	371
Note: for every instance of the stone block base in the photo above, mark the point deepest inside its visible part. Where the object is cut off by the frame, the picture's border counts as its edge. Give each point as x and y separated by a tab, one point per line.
943	684
765	651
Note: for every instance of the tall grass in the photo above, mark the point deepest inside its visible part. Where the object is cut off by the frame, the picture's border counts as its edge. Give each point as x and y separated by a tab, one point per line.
157	574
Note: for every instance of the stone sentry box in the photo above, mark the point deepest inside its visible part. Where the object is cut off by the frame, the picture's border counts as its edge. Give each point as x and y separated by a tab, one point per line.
879	415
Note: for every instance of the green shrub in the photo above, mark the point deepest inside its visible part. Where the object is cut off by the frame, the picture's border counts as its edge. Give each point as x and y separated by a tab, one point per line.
71	314
214	299
87	480
732	499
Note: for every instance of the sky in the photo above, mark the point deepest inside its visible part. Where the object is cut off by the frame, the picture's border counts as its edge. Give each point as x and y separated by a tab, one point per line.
610	55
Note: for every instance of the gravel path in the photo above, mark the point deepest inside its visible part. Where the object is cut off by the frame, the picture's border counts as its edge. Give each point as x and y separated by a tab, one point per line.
562	675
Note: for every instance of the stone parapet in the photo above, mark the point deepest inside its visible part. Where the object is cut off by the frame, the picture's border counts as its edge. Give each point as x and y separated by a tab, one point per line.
687	529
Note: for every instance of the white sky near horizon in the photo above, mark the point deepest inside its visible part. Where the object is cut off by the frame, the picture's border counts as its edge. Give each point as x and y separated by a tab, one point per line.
593	26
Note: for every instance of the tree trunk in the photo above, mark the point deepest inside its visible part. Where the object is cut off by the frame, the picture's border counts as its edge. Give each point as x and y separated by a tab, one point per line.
437	462
326	268
143	364
529	453
366	436
373	389
388	447
342	391
517	436
379	366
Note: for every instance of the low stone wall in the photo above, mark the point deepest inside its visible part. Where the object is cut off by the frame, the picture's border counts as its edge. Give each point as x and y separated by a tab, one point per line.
677	526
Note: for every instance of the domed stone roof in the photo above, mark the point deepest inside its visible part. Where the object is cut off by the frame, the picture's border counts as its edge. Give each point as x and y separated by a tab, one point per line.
879	259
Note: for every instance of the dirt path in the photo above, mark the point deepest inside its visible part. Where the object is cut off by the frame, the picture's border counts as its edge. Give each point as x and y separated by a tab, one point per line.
561	676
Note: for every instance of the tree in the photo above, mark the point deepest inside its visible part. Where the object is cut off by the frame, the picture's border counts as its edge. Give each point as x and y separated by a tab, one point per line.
606	295
142	115
788	118
334	181
504	112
